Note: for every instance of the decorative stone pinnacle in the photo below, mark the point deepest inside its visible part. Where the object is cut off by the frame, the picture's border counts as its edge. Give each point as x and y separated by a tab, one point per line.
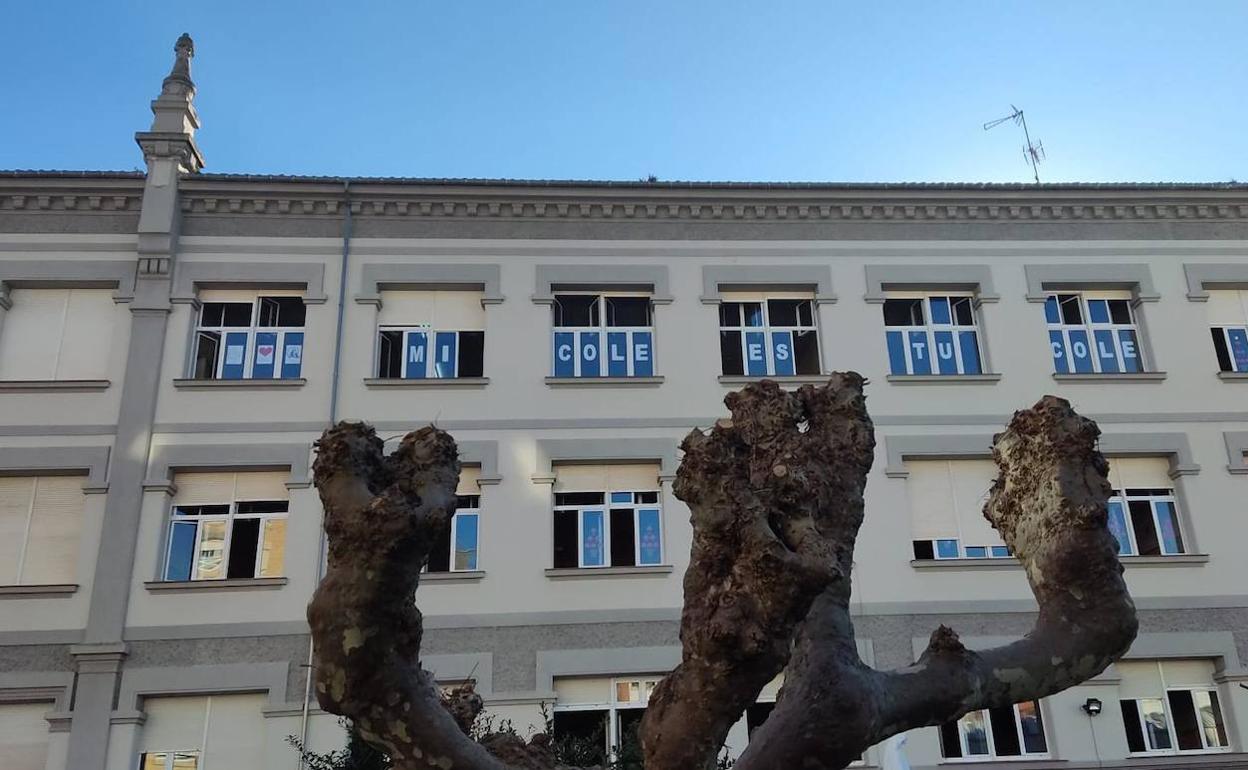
178	82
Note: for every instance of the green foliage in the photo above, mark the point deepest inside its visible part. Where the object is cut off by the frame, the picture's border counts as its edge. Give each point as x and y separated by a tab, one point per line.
358	754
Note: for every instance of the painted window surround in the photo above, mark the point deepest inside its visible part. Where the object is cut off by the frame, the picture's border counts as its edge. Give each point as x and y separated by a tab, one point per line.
54	687
168	459
34	461
976	279
1236	451
376	276
191	276
1201	277
717	279
652	279
68	274
606	450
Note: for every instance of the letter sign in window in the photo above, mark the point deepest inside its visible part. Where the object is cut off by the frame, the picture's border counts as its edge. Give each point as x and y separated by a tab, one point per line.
588	344
417	355
782	352
235	356
565	354
755	354
266	354
920	356
292	356
444	346
1080	351
643	360
617	354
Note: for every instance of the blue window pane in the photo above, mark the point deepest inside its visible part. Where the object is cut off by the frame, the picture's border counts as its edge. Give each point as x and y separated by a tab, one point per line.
617	354
1237	341
946	549
1000	551
969	342
1106	353
1080	351
444	348
976	552
940	310
1130	351
621	497
946	356
417	355
649	536
755	354
592	545
465	541
235	356
181	550
265	353
1061	362
920	355
643	355
1051	313
565	354
589	344
1098	311
1168	526
292	355
1118	527
782	352
896	352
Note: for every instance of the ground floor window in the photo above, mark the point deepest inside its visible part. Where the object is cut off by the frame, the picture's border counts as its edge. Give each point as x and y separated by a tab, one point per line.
1184	720
603	727
1007	731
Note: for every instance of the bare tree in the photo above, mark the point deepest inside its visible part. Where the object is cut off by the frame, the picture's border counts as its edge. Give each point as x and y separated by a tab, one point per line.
776	496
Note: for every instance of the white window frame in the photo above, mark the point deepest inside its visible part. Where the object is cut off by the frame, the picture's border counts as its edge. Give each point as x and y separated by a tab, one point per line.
251	330
1225	329
767	328
602	330
171	756
1164	698
229	518
929	329
431	368
992	755
1090	328
606	507
455	520
1124	498
646	684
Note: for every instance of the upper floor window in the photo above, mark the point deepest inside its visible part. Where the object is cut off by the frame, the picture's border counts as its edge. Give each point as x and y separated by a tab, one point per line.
602	335
946	502
1007	731
932	335
1093	332
430	335
1171	707
1228	319
227	525
24	735
1143	512
762	336
456	550
607	516
57	334
240	338
40	526
201	732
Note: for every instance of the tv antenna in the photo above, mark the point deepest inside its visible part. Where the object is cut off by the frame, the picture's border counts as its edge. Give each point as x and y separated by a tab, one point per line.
1033	152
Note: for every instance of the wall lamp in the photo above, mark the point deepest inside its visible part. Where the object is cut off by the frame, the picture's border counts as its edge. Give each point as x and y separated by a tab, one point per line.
1091	706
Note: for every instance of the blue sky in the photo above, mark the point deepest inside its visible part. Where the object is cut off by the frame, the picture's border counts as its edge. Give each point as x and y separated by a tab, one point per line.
801	90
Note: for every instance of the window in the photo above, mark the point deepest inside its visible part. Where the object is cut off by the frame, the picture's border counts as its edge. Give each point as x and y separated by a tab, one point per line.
227	525
1093	332
921	329
24	735
607	516
1008	731
196	732
430	335
602	335
242	338
1228	319
456	551
57	334
768	336
600	717
40	524
946	502
1171	707
1143	514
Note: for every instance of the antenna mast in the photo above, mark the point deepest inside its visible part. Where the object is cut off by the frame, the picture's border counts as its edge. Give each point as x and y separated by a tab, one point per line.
1033	152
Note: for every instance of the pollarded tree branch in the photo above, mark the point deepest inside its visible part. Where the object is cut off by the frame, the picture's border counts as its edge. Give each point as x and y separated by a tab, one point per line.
1049	504
775	499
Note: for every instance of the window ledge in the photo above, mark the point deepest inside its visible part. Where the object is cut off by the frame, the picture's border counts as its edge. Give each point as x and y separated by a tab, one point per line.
466	576
252	384
609	382
602	572
1233	376
36	386
428	382
230	584
798	379
944	379
1112	377
50	591
1178	560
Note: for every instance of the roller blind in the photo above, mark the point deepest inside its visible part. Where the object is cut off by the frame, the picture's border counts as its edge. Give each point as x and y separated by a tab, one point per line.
1106	294
86	343
174	724
1140	679
16	497
196	488
1140	472
575	690
235	733
762	296
605	478
55	528
1187	673
468	484
23	736
932	513
261	485
30	338
1227	308
441	309
971	480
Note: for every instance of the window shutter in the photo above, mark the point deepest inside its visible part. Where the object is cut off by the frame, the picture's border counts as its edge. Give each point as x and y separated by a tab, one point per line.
1140	679
204	488
1227	308
1140	472
468	480
971	481
261	485
406	308
174	724
458	310
86	343
24	735
622	477
30	337
55	528
932	514
1187	673
236	729
580	478
583	690
16	494
633	477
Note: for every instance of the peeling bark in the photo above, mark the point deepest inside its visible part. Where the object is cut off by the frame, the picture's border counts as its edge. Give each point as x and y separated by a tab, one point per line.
776	503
